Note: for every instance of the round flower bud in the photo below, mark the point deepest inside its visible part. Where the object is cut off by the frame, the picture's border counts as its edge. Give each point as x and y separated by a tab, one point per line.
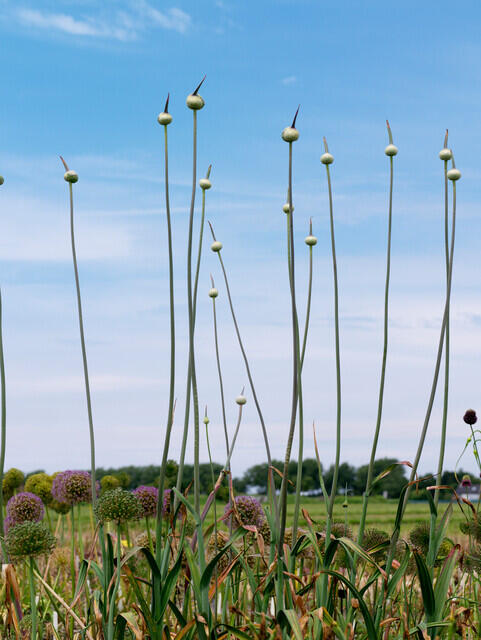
290	134
285	207
216	246
311	241
470	417
445	154
241	400
391	150
1	180
206	420
71	176
327	158
454	174
194	101
205	183
164	118
213	293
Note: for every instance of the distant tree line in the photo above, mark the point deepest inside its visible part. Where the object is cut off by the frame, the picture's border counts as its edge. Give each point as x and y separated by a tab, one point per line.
351	479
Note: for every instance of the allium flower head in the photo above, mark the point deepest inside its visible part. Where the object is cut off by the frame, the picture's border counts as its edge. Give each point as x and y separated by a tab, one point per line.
24	507
72	487
249	510
466	481
147	496
166	503
117	505
41	485
29	539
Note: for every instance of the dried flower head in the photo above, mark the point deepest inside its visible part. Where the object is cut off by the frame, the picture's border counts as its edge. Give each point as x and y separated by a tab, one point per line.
147	496
29	539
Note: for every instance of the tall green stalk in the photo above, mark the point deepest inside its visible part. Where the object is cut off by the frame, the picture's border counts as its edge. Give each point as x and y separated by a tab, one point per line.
422	438
195	104
4	416
338	358
296	398
442	446
33	602
170	412
213	294
71	177
377	429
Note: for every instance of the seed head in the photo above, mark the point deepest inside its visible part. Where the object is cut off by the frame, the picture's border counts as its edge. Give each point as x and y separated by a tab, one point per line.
29	539
194	100
445	154
216	246
70	176
205	183
165	117
291	134
454	174
391	150
118	505
327	158
470	417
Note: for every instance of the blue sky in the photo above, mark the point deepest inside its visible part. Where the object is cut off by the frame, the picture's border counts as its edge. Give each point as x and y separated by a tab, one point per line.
87	79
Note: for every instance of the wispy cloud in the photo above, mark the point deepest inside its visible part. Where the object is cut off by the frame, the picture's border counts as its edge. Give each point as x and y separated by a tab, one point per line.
123	25
289	80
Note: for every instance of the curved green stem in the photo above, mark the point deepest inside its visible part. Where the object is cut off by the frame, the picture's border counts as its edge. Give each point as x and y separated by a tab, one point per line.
170	412
251	384
84	352
447	341
219	372
370	470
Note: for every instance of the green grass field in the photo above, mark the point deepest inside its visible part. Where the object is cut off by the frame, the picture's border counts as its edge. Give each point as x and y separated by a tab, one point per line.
381	513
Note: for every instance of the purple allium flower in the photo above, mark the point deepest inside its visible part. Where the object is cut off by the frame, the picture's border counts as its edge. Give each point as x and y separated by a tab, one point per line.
466	481
147	497
24	507
166	503
249	509
72	487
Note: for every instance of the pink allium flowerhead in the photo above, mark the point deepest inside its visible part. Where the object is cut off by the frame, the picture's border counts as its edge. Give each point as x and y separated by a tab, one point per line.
72	487
24	507
249	509
166	503
147	497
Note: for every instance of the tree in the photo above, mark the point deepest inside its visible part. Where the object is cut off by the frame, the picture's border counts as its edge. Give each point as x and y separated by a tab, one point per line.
392	483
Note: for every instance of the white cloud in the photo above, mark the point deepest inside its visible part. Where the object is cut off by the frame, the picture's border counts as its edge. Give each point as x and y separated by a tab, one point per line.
289	80
122	25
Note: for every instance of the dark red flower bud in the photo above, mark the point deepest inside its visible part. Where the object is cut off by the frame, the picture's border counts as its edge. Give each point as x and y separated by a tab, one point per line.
470	417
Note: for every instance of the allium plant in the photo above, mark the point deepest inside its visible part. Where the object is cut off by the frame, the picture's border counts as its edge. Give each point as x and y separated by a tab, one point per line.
247	511
72	487
147	496
24	507
118	505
